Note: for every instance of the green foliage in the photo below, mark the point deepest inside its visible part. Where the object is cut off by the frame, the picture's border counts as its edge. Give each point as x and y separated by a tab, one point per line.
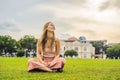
98	46
20	53
0	53
114	51
75	69
28	42
7	44
71	53
10	45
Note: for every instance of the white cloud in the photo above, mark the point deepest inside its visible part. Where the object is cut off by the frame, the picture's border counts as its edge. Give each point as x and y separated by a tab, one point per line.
79	17
10	25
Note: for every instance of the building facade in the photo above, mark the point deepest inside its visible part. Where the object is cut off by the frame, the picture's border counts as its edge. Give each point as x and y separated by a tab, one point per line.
84	50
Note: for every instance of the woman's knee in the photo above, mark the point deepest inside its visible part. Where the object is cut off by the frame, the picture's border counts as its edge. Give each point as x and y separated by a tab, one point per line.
30	60
62	60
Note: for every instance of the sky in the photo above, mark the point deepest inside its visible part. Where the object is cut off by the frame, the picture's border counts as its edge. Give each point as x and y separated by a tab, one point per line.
94	19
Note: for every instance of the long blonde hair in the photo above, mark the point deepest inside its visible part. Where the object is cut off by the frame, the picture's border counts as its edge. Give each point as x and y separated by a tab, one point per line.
43	39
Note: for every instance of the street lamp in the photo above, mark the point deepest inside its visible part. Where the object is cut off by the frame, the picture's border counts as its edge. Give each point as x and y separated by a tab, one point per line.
101	51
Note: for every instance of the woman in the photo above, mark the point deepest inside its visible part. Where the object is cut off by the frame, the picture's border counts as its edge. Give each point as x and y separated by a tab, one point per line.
48	52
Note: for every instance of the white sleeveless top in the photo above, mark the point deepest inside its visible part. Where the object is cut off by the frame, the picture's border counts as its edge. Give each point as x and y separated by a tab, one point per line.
49	53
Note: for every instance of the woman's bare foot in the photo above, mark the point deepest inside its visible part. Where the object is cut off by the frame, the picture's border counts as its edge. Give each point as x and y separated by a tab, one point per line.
54	70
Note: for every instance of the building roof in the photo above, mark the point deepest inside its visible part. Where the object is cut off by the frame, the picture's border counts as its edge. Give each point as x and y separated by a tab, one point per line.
71	39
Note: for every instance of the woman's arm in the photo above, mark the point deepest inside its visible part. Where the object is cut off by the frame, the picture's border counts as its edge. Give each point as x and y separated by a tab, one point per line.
39	52
57	46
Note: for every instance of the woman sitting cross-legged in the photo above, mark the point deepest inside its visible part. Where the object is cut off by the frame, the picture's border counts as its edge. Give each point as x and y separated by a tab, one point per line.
48	52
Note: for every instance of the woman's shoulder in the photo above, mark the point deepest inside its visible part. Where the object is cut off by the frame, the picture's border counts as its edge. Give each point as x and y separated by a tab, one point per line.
57	39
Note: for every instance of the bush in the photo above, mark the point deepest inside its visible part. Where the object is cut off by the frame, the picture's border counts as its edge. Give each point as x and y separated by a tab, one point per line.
0	53
71	53
114	52
20	53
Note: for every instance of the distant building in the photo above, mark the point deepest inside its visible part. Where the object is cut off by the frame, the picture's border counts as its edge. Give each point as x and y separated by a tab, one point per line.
84	40
85	50
112	44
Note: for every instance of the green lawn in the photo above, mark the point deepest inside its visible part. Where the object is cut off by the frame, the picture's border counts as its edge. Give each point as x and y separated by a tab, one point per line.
75	69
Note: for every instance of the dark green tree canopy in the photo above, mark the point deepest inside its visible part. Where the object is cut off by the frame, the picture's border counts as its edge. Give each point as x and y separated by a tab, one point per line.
28	42
114	52
7	44
10	45
71	53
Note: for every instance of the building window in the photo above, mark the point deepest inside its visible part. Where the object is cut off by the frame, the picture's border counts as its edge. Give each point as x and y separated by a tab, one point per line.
85	48
64	48
76	48
85	55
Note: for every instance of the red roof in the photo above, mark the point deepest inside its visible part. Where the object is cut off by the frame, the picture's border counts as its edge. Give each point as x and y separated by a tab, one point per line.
71	39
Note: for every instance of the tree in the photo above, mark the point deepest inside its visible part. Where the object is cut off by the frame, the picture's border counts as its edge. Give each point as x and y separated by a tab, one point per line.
7	44
20	53
99	45
28	43
114	52
71	53
1	45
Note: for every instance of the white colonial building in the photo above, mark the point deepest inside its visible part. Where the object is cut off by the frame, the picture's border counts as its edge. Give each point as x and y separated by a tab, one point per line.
85	50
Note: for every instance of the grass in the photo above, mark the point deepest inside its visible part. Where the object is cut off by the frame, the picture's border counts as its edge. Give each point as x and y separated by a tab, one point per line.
75	69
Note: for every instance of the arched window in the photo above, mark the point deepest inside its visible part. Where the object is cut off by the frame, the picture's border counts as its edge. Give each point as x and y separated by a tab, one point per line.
76	48
85	48
64	48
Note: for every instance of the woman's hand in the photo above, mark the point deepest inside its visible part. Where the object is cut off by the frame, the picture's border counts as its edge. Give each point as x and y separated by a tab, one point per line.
51	63
43	62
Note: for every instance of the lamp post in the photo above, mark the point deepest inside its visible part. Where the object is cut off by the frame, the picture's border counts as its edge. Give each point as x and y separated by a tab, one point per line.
26	52
101	51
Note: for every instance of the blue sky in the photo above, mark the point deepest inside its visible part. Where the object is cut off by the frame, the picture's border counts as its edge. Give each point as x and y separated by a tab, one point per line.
94	19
